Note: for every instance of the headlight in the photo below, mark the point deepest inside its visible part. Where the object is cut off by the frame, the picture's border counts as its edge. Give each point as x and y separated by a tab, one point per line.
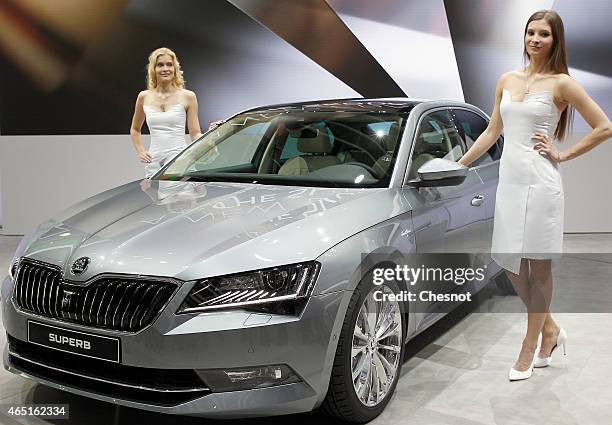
13	268
278	290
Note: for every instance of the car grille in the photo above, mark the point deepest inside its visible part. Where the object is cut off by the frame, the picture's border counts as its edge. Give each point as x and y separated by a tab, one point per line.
165	387
118	303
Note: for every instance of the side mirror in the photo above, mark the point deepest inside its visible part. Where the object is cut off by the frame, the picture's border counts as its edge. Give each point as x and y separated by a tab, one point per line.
440	172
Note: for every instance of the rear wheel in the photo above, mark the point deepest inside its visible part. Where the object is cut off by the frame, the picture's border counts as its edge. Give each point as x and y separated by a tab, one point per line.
368	359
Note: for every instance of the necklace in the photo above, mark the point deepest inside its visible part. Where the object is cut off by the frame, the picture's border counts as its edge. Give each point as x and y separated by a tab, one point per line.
163	98
528	84
535	77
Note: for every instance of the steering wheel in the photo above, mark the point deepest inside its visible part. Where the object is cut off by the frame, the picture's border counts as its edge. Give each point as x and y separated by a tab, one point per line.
367	167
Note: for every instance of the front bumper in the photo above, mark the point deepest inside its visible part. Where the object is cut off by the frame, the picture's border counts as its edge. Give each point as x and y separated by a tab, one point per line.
215	340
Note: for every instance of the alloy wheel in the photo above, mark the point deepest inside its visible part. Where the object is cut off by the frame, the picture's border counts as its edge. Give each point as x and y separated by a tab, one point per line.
376	346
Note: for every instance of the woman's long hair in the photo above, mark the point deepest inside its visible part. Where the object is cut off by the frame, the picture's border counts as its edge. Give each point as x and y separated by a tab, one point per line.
557	62
177	81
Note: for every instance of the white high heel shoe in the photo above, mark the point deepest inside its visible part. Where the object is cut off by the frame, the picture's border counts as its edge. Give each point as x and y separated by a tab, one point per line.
546	361
517	375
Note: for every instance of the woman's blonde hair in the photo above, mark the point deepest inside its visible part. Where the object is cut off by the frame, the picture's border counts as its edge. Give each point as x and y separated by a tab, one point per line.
178	80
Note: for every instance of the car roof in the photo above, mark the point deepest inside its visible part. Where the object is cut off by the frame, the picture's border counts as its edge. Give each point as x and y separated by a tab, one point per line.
360	104
394	104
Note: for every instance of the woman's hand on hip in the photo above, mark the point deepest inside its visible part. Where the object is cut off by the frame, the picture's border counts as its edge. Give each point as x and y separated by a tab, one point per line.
546	147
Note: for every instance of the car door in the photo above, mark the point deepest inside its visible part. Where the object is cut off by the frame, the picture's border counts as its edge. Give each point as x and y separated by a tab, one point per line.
471	125
445	218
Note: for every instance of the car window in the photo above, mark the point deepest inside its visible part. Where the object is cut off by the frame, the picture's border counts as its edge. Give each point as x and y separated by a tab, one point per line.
471	126
296	147
290	149
437	137
381	129
236	149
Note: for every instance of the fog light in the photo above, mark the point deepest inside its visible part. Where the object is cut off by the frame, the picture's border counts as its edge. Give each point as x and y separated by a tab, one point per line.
247	378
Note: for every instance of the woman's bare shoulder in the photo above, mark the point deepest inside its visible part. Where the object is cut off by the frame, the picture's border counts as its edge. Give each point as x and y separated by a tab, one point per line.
565	85
515	73
187	93
563	78
505	77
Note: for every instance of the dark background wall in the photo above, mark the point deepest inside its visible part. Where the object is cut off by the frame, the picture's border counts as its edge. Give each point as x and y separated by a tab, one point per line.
75	67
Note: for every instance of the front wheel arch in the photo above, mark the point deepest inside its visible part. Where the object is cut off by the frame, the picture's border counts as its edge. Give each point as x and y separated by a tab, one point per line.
341	400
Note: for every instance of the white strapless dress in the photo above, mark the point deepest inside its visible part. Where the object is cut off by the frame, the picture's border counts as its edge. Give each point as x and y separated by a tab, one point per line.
167	130
529	206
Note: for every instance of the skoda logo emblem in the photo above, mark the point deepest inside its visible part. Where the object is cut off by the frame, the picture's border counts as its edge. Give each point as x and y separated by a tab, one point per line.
80	265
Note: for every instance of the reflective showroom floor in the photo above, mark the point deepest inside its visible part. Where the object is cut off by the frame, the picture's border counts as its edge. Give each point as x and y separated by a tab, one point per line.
456	372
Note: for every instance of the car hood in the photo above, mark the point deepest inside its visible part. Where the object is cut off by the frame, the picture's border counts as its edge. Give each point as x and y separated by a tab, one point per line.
191	230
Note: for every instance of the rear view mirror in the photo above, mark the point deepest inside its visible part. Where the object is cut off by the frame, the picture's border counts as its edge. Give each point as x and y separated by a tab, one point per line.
304	133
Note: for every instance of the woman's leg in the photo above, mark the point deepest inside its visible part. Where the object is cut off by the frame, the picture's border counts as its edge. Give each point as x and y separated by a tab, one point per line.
550	329
520	281
521	285
550	332
539	296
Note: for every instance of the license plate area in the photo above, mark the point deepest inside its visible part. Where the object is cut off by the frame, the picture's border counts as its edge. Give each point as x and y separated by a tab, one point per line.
74	342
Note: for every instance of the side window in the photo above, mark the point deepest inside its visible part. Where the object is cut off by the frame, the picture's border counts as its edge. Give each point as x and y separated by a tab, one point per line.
437	137
472	125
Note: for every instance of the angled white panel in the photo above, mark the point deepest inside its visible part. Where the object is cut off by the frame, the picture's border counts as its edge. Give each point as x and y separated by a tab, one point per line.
411	40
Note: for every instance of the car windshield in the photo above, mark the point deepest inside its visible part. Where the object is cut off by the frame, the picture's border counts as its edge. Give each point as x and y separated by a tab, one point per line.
295	147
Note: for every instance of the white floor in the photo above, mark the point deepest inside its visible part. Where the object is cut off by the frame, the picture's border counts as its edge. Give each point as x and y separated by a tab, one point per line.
456	372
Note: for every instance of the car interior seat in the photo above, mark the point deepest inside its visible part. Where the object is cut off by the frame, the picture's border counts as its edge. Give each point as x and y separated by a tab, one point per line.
429	145
317	150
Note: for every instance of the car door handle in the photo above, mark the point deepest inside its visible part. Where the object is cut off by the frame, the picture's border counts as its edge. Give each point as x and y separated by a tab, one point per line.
477	200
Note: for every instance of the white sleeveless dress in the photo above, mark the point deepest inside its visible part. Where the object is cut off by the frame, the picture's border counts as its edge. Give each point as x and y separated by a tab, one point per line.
529	206
167	130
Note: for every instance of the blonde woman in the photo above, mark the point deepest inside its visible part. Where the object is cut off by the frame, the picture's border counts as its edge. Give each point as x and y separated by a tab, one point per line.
534	106
166	105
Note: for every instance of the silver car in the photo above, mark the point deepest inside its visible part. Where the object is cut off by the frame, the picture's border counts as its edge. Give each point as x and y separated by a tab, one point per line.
238	281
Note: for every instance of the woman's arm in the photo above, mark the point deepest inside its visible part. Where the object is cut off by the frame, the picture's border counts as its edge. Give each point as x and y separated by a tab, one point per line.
193	122
488	137
573	93
137	121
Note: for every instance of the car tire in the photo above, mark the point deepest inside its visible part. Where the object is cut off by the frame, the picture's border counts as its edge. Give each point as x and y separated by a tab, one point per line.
342	400
504	286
